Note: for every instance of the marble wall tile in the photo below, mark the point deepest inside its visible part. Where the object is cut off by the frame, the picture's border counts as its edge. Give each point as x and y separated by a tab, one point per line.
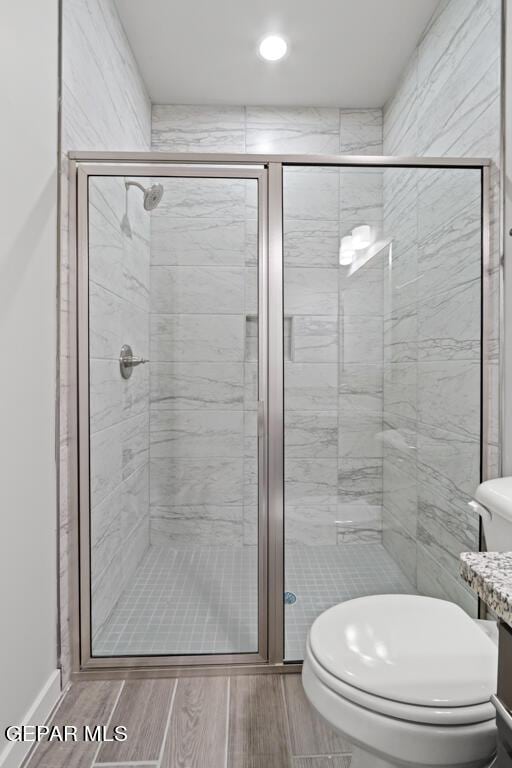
207	198
445	530
449	463
189	482
401	335
134	498
360	379
310	524
106	462
314	339
400	390
310	243
311	386
134	443
362	294
310	434
310	291
106	404
105	533
360	480
449	324
197	290
360	132
311	194
361	340
400	490
196	434
400	114
449	396
313	481
193	526
400	545
358	523
197	386
194	241
293	130
465	93
359	426
197	338
192	128
361	195
434	581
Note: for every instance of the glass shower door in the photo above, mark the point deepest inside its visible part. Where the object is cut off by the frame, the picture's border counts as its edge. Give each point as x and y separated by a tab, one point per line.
176	308
382	384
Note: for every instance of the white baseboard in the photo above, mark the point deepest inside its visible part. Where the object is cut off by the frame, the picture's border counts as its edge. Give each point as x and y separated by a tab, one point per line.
16	751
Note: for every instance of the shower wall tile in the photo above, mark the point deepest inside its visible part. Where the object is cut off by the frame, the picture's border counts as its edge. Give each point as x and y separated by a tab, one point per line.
197	338
311	291
400	489
197	386
195	434
194	241
401	335
360	132
191	128
310	524
435	581
449	396
361	340
400	390
449	324
400	544
360	481
311	194
359	427
360	379
293	130
104	107
311	434
185	482
194	526
449	463
135	502
361	195
310	243
197	290
203	199
311	480
362	294
311	386
134	443
314	339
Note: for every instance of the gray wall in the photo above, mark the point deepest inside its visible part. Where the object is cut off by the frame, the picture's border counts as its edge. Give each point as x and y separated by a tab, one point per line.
104	107
446	104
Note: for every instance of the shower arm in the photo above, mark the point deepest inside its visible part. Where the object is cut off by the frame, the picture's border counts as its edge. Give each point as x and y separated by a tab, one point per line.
134	184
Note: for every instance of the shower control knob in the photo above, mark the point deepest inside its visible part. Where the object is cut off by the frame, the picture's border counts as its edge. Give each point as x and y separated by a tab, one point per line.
127	362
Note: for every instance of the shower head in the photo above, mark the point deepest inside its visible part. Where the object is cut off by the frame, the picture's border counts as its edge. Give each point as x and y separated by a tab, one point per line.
152	194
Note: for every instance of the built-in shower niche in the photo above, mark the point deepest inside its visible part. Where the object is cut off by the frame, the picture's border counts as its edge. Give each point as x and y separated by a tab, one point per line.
251	338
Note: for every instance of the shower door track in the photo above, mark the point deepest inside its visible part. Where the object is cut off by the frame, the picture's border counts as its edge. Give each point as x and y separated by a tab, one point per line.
268	169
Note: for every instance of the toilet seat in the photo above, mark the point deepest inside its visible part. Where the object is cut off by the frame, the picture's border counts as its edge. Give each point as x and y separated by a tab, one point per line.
412	713
409	654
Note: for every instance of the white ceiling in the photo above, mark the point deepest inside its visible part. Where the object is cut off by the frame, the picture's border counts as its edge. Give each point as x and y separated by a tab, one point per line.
346	53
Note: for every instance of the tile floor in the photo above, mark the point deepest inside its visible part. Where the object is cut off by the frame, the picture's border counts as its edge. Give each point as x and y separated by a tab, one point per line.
205	600
246	721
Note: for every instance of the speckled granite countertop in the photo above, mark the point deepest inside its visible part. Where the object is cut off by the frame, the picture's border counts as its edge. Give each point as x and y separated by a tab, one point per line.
489	574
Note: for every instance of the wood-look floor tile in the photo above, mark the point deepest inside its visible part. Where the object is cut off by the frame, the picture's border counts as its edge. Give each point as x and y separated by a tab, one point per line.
143	708
85	704
309	734
336	761
197	734
257	723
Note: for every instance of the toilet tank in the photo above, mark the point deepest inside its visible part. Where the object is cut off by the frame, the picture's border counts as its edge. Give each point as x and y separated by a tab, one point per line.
493	501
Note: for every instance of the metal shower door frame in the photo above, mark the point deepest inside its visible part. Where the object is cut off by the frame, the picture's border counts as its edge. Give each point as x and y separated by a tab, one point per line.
83	654
268	168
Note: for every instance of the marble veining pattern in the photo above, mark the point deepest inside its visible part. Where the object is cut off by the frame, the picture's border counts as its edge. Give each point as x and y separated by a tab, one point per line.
489	575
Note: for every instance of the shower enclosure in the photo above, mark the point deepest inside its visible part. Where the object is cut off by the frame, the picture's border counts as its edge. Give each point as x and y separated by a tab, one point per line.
281	395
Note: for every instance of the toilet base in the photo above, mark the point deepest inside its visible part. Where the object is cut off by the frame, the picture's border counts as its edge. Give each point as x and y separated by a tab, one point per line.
361	758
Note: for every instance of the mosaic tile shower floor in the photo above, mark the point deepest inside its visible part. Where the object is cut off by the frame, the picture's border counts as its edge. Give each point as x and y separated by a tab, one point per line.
205	600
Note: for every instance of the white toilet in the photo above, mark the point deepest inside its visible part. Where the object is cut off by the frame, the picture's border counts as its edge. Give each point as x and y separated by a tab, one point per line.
407	679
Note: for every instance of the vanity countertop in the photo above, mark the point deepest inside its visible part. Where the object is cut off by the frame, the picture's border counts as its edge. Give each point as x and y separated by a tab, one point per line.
489	574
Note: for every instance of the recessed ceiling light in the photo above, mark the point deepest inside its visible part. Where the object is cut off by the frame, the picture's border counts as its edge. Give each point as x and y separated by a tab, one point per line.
273	48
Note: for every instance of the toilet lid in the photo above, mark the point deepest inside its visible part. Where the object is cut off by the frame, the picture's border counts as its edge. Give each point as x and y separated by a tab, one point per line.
407	648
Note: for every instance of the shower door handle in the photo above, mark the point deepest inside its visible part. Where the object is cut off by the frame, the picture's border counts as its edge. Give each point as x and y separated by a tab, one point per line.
261	418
